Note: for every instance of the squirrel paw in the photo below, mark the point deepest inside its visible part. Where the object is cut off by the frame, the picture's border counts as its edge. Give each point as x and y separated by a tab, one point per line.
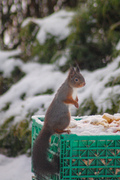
77	98
68	131
62	131
76	105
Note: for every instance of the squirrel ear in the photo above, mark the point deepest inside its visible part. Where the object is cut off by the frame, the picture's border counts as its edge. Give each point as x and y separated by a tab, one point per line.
72	71
77	67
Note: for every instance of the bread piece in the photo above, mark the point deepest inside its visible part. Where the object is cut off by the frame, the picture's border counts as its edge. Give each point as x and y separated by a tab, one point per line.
110	118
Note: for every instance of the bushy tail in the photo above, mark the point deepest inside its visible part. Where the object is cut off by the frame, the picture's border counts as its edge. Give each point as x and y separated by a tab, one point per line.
41	166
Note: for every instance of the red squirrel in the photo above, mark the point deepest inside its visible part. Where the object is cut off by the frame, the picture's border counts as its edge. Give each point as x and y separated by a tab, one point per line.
56	120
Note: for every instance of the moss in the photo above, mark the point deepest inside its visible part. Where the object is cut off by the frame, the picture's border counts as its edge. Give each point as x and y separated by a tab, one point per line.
88	107
113	81
17	140
43	107
28	37
1	73
6	107
30	113
48	91
116	53
118	65
7	123
17	74
114	100
23	95
47	52
114	109
7	82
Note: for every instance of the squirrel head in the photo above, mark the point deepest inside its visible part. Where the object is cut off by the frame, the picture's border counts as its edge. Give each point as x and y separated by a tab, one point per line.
75	78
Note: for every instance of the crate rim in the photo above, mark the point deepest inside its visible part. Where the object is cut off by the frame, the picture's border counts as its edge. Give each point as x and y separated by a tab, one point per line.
89	137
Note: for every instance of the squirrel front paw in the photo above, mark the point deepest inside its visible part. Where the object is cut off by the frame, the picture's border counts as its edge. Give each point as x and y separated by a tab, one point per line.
77	98
76	105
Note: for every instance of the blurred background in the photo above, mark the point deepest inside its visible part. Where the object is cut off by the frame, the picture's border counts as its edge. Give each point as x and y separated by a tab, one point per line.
95	30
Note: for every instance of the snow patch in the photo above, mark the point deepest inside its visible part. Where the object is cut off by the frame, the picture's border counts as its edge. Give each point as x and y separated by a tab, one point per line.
15	168
55	24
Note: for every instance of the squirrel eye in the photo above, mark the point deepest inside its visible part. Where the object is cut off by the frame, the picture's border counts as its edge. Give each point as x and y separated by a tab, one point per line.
76	79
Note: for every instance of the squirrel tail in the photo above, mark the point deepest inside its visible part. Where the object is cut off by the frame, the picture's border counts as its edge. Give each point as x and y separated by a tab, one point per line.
41	165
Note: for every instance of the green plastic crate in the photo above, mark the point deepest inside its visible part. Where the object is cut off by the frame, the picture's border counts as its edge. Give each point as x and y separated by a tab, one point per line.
84	157
33	177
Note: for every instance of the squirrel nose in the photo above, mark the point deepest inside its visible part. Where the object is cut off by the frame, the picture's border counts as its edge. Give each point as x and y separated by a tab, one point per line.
83	83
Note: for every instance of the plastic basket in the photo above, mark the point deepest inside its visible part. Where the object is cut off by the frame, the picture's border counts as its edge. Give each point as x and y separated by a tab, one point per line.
84	157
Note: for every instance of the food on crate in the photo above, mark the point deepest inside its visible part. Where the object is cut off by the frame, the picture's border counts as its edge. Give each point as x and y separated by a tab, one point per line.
110	118
96	125
72	124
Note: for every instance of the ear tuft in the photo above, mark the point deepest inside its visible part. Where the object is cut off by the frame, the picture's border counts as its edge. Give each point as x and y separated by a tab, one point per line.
72	71
77	68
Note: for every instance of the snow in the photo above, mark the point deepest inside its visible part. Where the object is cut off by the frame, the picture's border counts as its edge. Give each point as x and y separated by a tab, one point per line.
95	84
55	25
15	168
38	79
7	64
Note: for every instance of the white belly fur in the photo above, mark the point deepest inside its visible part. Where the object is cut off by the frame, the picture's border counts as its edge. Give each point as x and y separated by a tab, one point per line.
74	96
74	93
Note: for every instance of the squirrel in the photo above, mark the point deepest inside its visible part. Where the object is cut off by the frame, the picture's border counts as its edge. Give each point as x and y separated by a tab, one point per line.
56	120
